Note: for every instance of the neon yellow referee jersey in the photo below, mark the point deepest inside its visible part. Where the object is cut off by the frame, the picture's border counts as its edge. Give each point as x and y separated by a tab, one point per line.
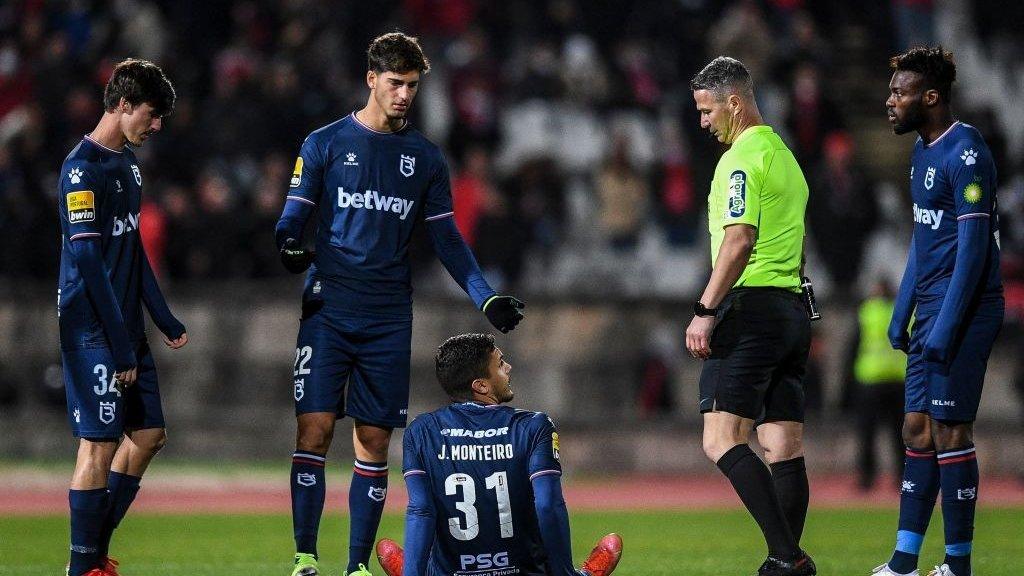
758	182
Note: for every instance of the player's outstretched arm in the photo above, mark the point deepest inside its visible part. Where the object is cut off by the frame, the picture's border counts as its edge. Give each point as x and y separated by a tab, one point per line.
89	259
553	520
972	245
153	298
904	306
503	312
419	525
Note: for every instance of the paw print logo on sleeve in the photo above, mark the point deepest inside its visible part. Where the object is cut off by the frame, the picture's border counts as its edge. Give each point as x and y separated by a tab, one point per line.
970	157
75	176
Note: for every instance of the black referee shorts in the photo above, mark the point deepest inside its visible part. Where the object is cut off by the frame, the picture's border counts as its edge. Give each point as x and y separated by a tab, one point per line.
758	356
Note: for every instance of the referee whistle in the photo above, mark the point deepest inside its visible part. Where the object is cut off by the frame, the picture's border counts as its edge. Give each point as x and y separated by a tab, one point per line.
810	304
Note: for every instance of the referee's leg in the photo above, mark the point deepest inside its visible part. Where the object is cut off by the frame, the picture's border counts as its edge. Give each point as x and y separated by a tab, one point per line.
726	438
784	451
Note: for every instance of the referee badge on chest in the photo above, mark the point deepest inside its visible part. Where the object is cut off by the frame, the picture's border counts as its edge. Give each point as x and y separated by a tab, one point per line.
407	165
737	194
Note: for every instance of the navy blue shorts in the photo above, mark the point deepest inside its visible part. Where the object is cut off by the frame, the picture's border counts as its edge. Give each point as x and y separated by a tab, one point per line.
952	394
99	410
369	354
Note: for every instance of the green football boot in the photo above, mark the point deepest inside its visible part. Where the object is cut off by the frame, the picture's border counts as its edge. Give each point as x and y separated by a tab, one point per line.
305	565
361	572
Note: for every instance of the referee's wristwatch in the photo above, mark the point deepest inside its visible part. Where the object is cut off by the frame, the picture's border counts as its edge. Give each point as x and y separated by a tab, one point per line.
699	309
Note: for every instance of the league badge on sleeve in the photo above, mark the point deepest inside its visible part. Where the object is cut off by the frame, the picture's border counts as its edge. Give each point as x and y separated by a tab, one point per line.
297	173
737	194
554	445
81	206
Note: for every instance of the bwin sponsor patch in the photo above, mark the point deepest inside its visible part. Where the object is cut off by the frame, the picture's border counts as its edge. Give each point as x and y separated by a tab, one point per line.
737	194
81	206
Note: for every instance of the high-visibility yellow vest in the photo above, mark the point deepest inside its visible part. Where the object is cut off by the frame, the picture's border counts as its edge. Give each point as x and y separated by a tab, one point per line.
877	362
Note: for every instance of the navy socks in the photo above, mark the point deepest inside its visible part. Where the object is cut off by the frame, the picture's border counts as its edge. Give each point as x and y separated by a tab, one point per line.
308	493
88	511
917	500
958	470
366	497
122	489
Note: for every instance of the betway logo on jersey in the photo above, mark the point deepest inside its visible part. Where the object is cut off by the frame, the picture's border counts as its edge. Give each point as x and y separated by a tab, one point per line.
463	433
928	217
129	224
373	200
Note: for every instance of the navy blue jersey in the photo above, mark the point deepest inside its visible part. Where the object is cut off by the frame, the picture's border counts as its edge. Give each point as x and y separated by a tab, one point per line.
100	193
370	189
479	461
952	179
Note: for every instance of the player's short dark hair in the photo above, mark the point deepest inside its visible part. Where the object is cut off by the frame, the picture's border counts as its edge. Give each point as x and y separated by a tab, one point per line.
139	81
722	75
934	64
396	52
462	359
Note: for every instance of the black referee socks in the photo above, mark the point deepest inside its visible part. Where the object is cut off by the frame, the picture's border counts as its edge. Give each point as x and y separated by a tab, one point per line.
753	483
790	478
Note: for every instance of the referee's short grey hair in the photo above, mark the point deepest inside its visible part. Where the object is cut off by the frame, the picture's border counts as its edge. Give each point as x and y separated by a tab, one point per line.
722	75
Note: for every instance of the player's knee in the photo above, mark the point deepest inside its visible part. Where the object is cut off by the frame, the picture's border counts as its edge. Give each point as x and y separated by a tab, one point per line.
374	444
314	439
948	435
715	448
157	442
917	434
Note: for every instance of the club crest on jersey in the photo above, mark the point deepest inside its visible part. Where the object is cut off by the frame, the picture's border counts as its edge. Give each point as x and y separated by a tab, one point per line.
296	173
137	173
81	206
929	178
107	412
406	165
737	194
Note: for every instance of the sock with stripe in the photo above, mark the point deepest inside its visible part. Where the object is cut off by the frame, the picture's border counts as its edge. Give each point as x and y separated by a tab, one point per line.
958	470
366	497
753	483
917	500
790	479
88	510
308	492
122	489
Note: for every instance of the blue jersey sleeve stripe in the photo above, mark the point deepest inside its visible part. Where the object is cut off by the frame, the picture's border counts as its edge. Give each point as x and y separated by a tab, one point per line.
544	473
439	216
300	199
85	235
973	215
413	473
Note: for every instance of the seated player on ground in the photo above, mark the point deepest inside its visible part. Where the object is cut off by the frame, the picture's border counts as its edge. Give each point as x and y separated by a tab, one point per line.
484	480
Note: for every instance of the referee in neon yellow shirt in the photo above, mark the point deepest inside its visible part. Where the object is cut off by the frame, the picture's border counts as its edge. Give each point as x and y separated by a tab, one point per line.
750	326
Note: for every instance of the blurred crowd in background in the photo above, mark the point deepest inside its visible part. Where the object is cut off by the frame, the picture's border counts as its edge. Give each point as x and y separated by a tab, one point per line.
576	155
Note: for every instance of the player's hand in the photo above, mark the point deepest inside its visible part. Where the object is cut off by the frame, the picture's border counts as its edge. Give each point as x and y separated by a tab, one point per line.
295	258
698	336
177	342
125	379
898	338
504	312
935	352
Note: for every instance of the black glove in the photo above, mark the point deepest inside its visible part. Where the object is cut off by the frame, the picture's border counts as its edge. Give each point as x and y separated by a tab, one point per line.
294	258
504	312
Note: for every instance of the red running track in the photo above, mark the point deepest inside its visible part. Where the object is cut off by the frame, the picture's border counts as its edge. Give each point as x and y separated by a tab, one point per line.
199	495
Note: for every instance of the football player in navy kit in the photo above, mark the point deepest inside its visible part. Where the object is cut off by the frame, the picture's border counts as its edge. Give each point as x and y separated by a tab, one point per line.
370	178
105	278
953	291
484	481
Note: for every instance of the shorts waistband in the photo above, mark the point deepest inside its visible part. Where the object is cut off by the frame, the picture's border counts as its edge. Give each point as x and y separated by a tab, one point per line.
763	291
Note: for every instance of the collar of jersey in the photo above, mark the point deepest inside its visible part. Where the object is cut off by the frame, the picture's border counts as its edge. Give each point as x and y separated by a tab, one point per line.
367	128
98	145
750	131
479	405
943	135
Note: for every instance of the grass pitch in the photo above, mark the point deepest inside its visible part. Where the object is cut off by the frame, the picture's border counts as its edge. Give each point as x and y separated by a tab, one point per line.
843	542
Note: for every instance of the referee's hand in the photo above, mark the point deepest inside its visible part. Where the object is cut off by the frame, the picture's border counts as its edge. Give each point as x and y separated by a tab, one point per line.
698	336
